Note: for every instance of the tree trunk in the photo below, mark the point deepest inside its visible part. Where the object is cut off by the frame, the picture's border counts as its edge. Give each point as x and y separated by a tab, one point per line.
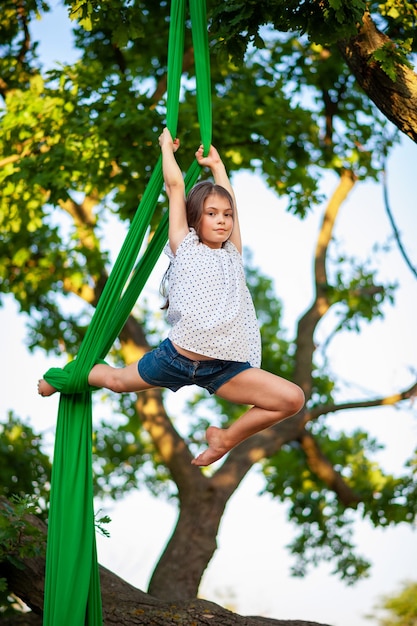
202	500
192	544
123	604
396	100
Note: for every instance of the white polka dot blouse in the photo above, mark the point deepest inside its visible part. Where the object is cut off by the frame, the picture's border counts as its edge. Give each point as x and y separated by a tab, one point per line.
210	308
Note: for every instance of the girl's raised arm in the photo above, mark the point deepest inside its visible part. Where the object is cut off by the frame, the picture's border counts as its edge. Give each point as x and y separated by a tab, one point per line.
175	188
218	170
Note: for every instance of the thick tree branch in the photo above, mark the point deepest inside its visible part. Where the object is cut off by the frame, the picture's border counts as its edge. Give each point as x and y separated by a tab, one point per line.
270	441
331	104
13	158
81	213
261	446
171	447
321	304
22	17
85	222
3	88
325	471
26	149
396	100
188	62
24	47
25	619
395	398
123	604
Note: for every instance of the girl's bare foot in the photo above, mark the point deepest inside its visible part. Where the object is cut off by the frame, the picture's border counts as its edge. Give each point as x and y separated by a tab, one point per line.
216	448
44	388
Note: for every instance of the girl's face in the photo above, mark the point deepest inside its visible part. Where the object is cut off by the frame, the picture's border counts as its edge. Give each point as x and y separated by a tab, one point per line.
216	223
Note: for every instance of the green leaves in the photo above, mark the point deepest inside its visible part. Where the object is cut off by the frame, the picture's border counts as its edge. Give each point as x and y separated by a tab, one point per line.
391	56
24	467
19	539
399	608
324	525
237	23
400	17
357	295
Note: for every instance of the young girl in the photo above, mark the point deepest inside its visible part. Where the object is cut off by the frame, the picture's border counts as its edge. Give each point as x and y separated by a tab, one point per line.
214	341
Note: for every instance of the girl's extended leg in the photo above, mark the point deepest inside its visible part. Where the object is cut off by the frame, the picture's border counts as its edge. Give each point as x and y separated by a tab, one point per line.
120	379
273	399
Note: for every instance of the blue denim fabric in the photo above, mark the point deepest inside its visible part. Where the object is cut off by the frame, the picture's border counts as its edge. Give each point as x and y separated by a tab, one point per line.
165	367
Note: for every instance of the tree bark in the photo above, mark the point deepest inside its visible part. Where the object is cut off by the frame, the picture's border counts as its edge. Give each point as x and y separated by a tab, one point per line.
123	604
396	100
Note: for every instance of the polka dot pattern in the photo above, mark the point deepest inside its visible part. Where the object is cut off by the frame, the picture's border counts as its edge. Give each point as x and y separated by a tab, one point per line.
210	308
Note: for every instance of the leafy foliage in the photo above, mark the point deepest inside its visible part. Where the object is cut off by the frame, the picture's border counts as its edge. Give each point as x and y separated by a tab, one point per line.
324	525
398	18
356	293
98	119
237	23
19	539
398	609
24	467
390	55
124	457
25	474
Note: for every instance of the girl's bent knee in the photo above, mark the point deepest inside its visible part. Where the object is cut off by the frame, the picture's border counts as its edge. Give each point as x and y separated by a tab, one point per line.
296	399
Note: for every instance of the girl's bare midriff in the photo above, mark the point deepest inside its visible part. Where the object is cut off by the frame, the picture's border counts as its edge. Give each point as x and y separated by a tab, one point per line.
192	355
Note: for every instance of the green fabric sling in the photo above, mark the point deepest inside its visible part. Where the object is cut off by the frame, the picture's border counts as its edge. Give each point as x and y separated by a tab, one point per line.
72	586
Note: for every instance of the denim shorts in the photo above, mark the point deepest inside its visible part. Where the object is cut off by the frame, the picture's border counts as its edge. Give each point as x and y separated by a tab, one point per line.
165	367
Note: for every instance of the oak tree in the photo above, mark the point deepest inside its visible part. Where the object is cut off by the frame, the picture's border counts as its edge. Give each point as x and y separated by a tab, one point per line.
299	89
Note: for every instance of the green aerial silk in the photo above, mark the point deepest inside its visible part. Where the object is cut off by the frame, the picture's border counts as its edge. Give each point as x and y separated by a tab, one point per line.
72	586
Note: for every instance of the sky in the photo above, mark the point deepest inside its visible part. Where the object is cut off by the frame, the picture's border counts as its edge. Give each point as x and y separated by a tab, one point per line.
250	570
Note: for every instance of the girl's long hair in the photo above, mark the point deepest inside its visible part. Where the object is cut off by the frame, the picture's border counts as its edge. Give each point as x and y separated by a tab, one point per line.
194	209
